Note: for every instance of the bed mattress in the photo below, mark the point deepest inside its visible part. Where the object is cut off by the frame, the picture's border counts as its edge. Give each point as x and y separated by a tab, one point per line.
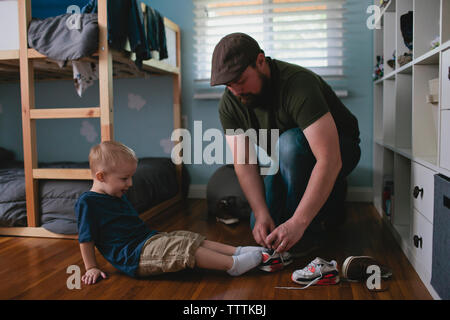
154	182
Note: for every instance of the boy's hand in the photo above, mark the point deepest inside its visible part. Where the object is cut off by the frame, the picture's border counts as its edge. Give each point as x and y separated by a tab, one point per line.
91	276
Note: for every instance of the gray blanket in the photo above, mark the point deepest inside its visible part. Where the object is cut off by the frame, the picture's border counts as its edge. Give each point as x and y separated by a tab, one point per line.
65	37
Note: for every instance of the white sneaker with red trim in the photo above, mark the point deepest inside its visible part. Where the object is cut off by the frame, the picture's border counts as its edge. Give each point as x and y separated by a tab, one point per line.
319	272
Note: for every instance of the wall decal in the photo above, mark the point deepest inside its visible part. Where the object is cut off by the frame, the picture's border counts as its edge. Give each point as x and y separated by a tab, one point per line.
167	145
135	101
88	131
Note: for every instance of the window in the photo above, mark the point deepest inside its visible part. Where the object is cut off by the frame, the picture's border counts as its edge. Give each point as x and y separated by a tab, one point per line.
305	32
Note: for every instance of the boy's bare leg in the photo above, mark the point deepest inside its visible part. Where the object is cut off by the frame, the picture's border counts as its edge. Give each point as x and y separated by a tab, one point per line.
210	259
219	247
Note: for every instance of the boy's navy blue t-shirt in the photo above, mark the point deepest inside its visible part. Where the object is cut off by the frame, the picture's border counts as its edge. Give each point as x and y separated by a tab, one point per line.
115	228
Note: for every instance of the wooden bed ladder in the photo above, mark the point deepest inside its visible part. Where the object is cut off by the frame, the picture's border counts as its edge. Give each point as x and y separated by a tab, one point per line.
30	114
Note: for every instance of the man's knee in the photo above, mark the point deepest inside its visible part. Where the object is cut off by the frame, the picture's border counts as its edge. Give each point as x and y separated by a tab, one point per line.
333	212
293	144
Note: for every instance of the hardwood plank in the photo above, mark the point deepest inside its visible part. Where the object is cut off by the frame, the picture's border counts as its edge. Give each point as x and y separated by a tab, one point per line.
42	264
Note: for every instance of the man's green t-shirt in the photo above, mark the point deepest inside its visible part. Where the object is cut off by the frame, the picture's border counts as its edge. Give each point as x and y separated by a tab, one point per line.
299	98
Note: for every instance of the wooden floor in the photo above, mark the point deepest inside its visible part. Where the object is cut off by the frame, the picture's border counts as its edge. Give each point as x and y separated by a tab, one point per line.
35	268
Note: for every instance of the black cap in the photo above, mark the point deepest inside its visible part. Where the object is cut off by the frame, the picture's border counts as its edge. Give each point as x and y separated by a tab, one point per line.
231	56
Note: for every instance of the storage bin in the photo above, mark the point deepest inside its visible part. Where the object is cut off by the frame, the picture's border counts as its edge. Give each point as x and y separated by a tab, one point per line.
440	276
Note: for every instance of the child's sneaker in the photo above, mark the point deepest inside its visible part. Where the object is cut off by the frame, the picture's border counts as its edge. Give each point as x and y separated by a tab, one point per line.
273	261
318	272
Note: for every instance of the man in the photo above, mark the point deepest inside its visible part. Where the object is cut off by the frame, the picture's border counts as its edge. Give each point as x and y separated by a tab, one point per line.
318	144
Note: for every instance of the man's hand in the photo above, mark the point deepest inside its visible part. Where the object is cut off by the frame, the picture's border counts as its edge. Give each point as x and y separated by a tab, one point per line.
285	236
91	276
263	226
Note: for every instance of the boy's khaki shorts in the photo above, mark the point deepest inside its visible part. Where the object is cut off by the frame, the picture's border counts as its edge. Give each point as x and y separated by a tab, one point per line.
169	252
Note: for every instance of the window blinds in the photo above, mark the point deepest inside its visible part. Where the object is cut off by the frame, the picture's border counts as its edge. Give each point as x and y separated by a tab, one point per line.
309	33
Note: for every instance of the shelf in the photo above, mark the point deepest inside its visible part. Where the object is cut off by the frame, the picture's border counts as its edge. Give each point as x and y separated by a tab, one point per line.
389	41
445	21
426	25
389	112
403	110
48	69
388	8
424	115
405	69
428	58
428	162
402	8
406	126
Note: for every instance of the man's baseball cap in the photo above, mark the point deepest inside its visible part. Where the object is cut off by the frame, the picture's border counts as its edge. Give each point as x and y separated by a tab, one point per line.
231	56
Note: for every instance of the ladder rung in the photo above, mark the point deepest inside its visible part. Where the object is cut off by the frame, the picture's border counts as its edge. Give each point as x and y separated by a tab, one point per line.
62	173
65	113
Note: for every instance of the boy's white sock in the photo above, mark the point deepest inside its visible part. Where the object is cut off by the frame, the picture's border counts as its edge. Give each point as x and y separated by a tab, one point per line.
244	262
242	250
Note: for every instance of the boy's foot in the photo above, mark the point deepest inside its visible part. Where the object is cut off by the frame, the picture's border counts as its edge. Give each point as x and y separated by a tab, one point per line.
273	261
354	268
242	250
245	262
318	272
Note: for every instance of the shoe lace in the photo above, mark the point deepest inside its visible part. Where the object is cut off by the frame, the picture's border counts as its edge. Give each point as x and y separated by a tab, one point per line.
281	257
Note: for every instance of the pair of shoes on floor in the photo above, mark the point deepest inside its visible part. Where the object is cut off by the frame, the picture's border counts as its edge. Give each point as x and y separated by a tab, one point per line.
354	269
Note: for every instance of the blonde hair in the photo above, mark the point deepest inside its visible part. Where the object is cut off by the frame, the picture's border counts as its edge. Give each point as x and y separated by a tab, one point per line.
108	154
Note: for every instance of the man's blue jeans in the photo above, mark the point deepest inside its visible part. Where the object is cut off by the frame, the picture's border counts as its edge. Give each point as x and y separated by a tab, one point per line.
285	189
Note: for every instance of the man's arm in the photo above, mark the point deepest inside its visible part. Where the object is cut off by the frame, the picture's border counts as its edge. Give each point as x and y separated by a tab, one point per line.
323	139
247	171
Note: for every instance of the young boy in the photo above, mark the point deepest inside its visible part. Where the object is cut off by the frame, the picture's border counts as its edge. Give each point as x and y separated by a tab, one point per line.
107	220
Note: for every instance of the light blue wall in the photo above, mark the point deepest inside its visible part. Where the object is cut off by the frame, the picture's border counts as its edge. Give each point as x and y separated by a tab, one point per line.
358	67
143	107
142	118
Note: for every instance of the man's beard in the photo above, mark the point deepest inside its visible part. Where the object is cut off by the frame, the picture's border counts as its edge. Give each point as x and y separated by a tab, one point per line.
252	100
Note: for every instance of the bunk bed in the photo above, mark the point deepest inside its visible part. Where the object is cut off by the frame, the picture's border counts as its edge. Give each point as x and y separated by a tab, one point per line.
26	65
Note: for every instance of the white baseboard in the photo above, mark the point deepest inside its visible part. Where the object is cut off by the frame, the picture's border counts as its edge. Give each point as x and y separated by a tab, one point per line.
354	194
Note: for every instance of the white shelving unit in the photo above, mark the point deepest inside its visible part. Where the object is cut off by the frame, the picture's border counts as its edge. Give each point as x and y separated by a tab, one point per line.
411	135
